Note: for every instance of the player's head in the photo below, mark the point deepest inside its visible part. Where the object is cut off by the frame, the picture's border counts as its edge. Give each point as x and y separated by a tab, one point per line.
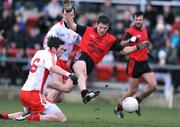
138	18
56	44
73	12
103	25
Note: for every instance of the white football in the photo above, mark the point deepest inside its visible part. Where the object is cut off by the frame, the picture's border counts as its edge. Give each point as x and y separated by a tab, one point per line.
130	104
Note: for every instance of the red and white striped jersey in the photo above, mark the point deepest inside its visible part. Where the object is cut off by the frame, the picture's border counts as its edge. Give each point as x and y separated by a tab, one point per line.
67	35
39	73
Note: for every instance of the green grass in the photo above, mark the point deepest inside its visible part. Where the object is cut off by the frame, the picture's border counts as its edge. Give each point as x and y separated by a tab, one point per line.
97	115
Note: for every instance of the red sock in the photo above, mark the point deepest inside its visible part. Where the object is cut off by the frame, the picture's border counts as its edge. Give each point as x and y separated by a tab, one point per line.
4	116
34	117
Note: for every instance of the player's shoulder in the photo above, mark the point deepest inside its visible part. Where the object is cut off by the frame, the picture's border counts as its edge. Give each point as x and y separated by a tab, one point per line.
132	28
56	26
43	52
144	28
110	35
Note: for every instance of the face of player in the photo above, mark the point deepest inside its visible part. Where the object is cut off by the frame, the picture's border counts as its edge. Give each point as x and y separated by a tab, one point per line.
102	29
138	21
72	13
60	50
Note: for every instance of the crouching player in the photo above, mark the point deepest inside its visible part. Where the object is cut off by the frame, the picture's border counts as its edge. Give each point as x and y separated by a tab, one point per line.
32	96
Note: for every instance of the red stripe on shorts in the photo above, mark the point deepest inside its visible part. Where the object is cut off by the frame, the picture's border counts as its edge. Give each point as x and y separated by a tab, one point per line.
131	66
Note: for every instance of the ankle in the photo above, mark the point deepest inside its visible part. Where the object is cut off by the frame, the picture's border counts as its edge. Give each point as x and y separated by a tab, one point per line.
138	99
83	92
4	116
119	106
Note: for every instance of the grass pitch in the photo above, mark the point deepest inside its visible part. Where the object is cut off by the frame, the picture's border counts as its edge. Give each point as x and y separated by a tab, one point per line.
97	115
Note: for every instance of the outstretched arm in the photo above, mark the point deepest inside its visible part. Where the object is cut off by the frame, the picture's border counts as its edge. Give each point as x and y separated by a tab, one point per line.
69	13
130	49
58	70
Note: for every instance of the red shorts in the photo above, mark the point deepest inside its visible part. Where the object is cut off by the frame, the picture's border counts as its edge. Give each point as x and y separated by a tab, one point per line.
63	65
33	100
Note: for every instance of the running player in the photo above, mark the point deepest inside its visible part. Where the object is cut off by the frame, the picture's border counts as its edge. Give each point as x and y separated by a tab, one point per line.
137	65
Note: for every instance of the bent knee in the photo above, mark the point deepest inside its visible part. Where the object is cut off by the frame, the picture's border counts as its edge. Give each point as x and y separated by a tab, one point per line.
153	88
133	91
64	119
61	117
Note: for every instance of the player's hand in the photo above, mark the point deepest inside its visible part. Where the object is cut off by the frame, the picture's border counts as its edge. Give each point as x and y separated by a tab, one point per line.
68	5
143	45
74	78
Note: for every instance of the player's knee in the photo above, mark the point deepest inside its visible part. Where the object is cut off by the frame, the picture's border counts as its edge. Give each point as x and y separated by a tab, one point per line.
61	117
133	91
57	100
64	119
153	88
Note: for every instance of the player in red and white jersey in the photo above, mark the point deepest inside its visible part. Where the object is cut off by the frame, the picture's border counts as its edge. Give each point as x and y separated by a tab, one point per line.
70	38
62	31
32	97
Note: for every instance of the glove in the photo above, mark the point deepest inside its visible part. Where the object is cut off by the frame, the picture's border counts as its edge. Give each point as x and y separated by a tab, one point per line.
68	5
142	45
73	78
132	39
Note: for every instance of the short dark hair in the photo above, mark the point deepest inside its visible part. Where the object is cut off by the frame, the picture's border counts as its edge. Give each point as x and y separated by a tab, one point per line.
54	42
139	13
104	20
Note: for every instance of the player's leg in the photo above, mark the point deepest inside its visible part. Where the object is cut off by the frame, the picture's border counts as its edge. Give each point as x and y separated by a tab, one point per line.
10	115
56	89
53	113
82	65
66	87
54	96
40	106
149	77
133	87
26	112
50	113
152	84
79	68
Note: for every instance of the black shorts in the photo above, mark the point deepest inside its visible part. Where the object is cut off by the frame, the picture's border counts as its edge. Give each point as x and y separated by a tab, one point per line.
83	56
136	69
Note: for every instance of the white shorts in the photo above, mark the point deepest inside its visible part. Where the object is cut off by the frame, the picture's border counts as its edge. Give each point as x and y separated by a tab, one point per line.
51	109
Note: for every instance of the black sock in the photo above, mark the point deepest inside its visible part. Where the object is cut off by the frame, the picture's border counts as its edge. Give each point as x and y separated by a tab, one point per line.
83	92
138	99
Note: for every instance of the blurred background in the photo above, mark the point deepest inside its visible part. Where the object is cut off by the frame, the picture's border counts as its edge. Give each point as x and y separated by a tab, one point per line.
25	22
